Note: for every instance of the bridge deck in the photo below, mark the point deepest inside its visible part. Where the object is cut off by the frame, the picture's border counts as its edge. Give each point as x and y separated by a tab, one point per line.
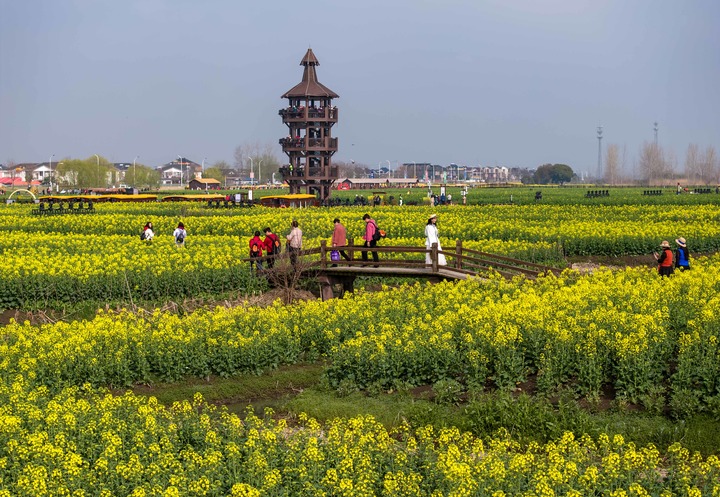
420	272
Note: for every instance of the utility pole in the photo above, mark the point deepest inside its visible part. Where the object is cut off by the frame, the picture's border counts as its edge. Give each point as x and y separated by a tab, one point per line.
599	165
655	129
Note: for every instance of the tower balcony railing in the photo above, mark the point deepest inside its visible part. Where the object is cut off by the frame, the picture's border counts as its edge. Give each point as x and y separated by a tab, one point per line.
290	143
299	114
316	172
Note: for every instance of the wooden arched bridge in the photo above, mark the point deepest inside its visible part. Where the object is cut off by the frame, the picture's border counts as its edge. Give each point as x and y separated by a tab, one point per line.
405	261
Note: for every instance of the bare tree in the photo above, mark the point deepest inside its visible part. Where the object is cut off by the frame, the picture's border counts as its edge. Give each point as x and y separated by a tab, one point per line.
652	163
612	162
708	166
286	275
669	165
692	163
264	161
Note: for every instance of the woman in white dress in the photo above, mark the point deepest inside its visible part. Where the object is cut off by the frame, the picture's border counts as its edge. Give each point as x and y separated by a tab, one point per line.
432	236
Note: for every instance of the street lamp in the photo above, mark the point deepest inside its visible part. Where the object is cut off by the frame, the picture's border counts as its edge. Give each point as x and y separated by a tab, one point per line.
135	172
57	166
180	161
53	155
252	171
259	171
97	157
414	169
389	167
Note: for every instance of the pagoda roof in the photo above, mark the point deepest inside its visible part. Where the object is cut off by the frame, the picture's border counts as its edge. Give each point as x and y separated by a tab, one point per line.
310	86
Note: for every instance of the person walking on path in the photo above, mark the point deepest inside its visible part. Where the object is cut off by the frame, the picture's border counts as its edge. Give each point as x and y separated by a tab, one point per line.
682	256
370	237
339	237
272	246
294	241
432	235
665	259
256	252
179	235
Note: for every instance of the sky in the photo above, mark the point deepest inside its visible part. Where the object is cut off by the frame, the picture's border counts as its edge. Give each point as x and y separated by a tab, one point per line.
472	82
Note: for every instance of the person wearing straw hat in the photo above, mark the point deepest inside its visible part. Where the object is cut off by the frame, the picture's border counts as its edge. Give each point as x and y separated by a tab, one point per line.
665	259
432	235
682	256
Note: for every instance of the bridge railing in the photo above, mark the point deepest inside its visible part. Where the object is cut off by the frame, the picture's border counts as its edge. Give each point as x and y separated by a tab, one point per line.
462	260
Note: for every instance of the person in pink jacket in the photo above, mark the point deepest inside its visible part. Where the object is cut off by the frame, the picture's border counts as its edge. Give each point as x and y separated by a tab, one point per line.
369	237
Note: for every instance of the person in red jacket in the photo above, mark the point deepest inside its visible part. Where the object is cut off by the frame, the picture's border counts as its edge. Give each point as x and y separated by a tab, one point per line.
256	251
272	246
665	259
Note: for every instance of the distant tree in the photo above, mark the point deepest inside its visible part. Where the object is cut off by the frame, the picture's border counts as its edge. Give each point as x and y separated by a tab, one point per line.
141	176
263	163
692	163
222	165
553	173
215	172
356	170
612	163
652	163
86	173
708	166
562	173
541	175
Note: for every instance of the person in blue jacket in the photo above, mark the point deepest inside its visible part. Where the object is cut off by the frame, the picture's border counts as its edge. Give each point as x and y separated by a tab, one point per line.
682	256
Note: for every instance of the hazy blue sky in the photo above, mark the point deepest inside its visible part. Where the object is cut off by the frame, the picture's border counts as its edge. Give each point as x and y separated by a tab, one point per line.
496	82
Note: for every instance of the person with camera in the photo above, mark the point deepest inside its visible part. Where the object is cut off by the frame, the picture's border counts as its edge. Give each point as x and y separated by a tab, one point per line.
664	259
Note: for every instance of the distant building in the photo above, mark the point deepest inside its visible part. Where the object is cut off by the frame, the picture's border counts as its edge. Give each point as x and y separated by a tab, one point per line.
204	184
179	172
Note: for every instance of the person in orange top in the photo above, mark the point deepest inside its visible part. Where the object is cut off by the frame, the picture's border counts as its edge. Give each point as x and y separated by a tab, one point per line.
665	259
339	237
256	251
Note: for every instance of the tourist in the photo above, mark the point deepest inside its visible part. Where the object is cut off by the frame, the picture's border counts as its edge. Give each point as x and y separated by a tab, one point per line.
432	236
272	246
148	233
179	235
370	238
339	237
294	242
665	259
682	256
256	251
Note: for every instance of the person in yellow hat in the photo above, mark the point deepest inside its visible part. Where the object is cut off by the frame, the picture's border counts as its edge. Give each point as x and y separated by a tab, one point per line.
682	256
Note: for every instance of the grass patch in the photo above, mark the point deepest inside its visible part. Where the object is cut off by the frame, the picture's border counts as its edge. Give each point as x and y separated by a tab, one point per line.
291	390
271	389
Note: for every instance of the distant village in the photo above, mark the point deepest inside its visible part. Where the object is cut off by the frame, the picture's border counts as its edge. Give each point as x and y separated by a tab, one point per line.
184	172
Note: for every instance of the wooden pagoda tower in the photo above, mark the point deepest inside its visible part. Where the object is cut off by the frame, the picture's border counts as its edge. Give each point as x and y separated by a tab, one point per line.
309	145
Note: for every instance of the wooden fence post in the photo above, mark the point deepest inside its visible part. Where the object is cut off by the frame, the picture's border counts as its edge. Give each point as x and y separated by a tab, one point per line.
434	257
458	254
323	254
351	252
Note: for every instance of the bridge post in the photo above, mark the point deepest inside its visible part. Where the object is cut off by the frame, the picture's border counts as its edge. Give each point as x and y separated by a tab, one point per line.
323	254
434	257
351	251
458	254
